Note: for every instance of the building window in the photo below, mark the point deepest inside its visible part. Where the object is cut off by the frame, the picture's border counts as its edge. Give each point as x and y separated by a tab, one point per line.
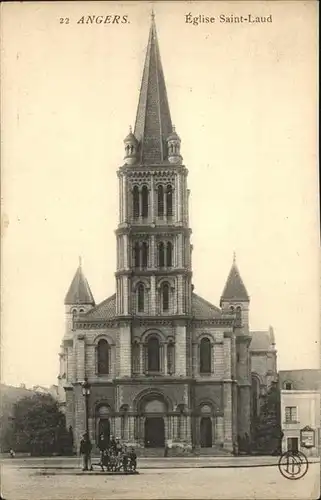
136	254
170	358
161	255
135	202
136	358
160	201
103	357
169	201
165	293
153	354
144	202
291	414
205	356
288	386
169	254
140	298
145	254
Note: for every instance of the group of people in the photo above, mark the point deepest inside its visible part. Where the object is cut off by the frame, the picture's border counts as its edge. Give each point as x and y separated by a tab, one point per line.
113	454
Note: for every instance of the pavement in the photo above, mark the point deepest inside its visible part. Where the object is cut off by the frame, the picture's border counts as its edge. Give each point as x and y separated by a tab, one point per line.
74	463
205	478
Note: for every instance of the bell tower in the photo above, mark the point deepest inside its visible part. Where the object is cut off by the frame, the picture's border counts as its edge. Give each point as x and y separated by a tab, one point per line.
153	237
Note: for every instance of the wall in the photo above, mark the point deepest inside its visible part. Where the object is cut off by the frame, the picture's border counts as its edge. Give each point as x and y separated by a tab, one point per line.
308	412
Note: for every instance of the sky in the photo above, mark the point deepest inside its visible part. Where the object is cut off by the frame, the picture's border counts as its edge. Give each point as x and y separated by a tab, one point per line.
243	99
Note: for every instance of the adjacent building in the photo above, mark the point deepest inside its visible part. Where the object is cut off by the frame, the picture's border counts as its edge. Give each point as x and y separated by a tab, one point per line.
300	410
166	367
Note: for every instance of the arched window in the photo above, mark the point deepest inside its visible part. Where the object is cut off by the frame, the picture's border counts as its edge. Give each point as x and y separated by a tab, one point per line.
170	358
288	386
161	254
160	201
103	357
239	313
165	293
136	254
136	357
205	356
169	201
140	298
135	202
144	254
144	202
153	355
169	254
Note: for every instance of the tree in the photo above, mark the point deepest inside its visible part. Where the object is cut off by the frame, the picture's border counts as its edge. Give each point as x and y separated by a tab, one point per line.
268	431
39	426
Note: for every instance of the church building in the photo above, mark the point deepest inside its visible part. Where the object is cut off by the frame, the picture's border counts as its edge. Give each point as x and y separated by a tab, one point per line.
166	368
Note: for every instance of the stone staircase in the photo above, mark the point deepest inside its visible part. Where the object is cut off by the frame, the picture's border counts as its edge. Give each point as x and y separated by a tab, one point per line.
150	452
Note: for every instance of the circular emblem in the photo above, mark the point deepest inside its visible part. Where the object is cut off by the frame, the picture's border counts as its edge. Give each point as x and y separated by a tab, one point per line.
293	464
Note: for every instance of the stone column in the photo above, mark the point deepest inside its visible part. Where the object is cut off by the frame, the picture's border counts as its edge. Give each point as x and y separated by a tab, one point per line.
180	351
152	198
141	359
126	252
80	357
165	359
125	295
153	295
125	196
228	436
178	199
152	252
121	202
125	351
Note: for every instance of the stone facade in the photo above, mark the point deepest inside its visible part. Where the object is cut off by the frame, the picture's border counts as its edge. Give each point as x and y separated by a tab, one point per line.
166	367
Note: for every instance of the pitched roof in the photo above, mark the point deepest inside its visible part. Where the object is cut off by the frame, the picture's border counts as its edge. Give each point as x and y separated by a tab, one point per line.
79	291
261	341
201	309
153	120
105	310
304	380
234	288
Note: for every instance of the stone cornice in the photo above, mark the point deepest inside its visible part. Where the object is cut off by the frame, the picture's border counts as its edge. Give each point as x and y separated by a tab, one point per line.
190	322
147	170
172	271
148	228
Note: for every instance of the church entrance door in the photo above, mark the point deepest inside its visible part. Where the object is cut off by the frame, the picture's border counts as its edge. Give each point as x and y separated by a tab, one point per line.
154	432
206	432
104	428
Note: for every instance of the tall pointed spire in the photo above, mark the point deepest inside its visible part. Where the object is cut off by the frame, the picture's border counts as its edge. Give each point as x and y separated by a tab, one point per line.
153	120
79	291
234	288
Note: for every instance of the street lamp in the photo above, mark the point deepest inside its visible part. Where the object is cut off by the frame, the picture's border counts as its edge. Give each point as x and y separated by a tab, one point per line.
86	394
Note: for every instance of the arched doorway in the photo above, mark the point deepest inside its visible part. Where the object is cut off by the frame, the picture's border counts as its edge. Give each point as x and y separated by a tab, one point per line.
154	410
154	432
206	432
103	423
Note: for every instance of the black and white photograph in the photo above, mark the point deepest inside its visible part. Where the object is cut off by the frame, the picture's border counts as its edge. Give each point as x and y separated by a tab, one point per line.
160	311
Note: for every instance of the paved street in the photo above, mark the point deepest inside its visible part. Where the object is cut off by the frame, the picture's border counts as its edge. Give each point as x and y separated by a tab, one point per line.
55	479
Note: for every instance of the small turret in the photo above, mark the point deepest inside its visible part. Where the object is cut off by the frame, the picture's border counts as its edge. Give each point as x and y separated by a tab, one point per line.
131	148
173	148
79	298
235	297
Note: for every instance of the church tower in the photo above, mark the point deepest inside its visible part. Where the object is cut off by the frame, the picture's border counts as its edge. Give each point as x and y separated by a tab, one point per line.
153	277
235	300
165	367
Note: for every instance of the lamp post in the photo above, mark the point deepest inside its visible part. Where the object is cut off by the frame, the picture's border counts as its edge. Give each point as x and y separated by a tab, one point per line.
86	394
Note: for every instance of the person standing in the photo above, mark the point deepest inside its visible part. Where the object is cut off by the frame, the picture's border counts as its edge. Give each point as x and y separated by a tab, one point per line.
102	445
85	451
